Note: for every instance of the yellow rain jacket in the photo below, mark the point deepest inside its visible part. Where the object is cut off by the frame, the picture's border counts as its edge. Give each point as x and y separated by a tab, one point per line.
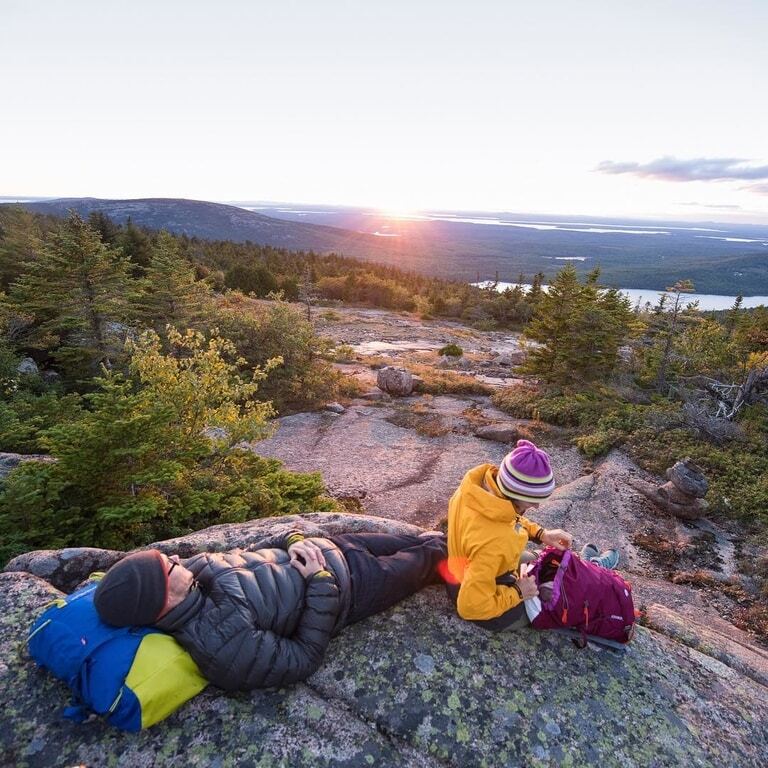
486	537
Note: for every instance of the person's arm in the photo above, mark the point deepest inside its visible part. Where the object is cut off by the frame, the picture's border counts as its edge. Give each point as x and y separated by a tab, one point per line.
555	537
261	658
480	597
534	530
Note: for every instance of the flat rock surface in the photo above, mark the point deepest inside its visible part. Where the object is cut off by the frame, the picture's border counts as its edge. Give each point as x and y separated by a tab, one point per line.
394	471
412	686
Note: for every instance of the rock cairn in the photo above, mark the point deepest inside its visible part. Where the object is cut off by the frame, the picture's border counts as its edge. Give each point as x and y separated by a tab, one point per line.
683	493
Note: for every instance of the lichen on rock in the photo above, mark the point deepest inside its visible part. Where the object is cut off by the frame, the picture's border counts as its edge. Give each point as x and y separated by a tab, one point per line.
413	686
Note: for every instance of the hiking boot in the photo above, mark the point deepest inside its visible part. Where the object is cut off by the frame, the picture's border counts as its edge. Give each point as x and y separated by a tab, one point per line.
608	559
588	551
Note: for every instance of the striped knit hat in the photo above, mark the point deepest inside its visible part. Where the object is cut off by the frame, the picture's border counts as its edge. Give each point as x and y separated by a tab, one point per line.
526	474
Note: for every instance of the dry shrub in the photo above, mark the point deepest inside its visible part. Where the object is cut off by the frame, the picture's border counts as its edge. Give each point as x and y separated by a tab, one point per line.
349	387
474	416
664	551
438	382
753	619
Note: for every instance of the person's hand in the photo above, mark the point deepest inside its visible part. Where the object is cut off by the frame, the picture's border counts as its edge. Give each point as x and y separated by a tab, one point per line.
528	588
557	538
307	560
301	548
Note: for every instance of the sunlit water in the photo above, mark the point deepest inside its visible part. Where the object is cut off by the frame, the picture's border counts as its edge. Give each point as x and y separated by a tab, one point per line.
706	301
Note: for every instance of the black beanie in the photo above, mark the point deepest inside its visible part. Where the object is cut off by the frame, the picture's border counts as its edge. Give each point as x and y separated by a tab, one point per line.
133	591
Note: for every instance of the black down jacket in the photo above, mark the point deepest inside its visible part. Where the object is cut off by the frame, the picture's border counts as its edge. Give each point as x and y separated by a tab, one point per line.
254	621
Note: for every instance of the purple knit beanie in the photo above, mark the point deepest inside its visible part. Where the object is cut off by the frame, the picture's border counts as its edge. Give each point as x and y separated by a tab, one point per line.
526	474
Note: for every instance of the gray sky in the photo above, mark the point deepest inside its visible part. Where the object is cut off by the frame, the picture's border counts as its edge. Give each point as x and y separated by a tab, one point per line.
601	107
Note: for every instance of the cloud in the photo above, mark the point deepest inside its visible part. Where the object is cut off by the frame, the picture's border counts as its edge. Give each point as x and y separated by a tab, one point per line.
757	189
695	169
708	205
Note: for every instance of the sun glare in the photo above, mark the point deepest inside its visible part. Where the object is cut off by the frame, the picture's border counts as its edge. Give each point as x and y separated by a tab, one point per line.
399	213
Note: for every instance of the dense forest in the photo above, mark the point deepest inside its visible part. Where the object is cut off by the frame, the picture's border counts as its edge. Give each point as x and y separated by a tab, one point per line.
139	361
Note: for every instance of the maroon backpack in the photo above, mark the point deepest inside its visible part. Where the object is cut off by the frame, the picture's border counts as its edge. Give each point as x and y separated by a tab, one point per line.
592	600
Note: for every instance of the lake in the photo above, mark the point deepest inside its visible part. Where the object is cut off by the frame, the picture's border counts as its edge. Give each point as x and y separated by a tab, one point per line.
706	300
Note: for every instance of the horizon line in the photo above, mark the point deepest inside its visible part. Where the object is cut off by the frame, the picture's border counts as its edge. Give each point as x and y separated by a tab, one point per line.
387	210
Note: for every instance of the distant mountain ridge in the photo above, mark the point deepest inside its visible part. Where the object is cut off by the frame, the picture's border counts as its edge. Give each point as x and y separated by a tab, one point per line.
216	221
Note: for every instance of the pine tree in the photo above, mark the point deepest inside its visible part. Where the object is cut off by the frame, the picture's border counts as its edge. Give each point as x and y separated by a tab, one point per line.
535	291
732	318
170	294
20	240
550	326
107	229
670	328
308	291
154	454
77	291
136	246
579	329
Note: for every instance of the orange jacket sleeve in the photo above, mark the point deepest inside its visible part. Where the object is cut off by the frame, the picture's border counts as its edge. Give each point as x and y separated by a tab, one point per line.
534	529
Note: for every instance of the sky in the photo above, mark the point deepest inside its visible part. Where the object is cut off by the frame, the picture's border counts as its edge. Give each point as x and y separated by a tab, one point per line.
601	107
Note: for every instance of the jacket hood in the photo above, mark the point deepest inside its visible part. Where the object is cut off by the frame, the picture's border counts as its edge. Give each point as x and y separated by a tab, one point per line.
484	502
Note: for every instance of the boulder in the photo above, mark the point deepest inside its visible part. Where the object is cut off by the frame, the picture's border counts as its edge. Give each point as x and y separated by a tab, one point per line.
64	568
397	382
449	361
625	354
216	434
9	461
51	377
412	686
501	433
509	359
335	408
28	367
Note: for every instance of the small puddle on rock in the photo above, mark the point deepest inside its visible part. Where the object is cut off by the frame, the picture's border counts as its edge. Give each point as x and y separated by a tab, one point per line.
499	381
376	347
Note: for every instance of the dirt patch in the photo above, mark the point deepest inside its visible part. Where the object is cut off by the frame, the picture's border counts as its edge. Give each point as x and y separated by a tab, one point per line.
671	552
421	419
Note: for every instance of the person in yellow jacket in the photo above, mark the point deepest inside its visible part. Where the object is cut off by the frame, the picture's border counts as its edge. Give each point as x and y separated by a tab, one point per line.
488	533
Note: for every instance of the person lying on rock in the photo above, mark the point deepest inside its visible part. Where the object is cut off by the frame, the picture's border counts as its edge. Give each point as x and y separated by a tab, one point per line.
488	533
265	618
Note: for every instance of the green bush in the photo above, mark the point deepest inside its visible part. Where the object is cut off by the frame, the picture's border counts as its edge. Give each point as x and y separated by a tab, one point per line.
305	378
519	402
140	464
451	350
599	443
26	415
566	410
344	353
